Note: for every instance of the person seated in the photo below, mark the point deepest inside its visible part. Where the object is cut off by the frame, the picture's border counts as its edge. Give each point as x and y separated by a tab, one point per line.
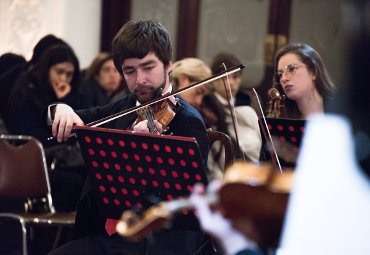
102	82
302	86
19	65
142	54
186	72
54	78
240	122
301	80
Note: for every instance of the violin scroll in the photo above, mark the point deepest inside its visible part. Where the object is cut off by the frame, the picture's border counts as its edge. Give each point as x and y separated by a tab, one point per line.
275	104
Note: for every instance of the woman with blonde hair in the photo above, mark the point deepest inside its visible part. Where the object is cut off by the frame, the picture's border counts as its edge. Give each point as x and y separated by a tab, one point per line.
186	72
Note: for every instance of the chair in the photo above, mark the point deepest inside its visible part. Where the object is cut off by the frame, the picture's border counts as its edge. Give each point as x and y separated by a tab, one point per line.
214	136
24	176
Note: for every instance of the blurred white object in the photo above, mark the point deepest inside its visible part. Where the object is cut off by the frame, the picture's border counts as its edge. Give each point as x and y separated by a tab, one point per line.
329	206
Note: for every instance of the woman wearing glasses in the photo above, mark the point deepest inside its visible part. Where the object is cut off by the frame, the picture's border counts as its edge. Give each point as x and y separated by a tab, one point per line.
302	79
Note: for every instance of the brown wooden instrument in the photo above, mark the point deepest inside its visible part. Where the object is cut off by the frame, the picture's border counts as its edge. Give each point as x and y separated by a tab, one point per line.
162	112
253	197
275	105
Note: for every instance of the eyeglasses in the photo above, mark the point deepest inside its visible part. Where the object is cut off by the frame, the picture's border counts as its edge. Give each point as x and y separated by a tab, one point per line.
289	70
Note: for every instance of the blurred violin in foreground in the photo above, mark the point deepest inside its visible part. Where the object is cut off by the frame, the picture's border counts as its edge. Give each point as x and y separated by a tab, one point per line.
253	197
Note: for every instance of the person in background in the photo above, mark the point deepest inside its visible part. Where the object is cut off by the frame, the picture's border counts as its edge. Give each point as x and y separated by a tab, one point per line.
302	86
301	80
102	82
9	60
219	115
186	72
9	63
323	158
18	66
54	78
335	159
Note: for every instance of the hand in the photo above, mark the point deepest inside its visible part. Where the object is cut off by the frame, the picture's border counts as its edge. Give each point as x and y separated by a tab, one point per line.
142	126
64	120
62	89
214	223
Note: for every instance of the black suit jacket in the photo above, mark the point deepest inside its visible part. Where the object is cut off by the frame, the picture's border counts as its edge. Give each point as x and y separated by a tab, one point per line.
187	122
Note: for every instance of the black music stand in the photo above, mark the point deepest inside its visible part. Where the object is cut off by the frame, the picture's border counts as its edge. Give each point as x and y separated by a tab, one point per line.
131	170
286	135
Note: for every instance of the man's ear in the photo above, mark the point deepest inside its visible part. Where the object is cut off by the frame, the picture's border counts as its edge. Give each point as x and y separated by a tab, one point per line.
169	67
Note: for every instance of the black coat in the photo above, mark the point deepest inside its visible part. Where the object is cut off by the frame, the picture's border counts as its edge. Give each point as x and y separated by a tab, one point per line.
92	94
26	109
187	122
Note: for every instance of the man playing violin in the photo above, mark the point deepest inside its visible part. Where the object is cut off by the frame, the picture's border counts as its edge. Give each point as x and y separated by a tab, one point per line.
142	53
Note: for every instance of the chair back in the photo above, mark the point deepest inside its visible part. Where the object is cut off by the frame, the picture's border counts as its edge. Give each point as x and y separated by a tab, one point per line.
23	169
225	140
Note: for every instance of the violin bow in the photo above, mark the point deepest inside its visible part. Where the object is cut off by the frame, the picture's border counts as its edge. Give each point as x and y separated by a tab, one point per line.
120	114
164	97
271	146
231	105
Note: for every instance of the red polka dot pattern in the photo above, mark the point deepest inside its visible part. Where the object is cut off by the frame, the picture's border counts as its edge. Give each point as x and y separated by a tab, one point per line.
287	135
128	168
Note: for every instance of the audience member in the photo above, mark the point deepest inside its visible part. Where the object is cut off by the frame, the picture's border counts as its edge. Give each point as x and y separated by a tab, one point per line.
54	78
9	60
18	64
102	82
9	63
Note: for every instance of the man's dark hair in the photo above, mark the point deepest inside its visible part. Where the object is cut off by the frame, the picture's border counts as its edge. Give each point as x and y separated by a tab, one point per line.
137	38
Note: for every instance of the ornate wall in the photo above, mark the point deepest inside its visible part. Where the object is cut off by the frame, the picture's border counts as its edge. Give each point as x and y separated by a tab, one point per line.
24	22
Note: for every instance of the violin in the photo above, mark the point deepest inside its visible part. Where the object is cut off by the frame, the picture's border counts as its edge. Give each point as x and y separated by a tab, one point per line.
162	112
254	197
275	104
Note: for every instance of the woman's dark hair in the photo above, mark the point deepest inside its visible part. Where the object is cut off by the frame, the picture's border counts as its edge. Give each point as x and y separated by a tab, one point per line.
228	59
137	38
94	69
52	56
37	77
42	45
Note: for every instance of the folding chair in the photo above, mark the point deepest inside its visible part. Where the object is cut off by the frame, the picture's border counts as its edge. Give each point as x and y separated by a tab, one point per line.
24	176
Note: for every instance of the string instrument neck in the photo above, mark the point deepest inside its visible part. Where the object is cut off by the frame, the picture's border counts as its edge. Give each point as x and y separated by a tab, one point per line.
133	227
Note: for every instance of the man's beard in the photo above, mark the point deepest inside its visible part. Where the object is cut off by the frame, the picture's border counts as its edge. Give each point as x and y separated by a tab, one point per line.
146	93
